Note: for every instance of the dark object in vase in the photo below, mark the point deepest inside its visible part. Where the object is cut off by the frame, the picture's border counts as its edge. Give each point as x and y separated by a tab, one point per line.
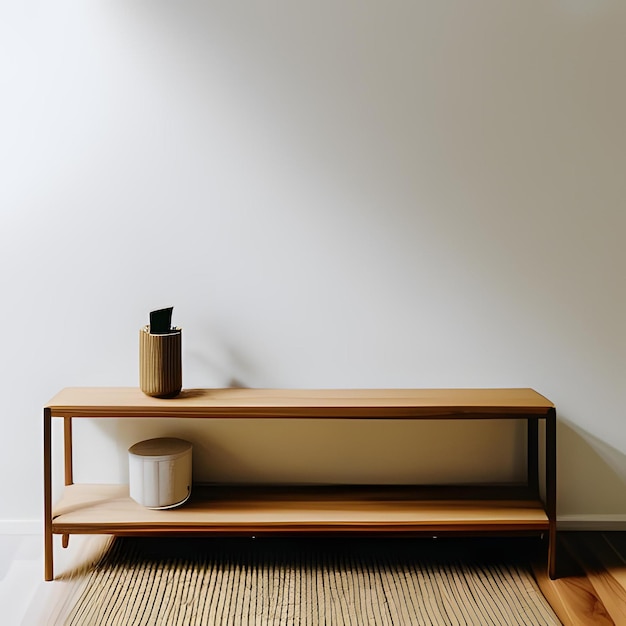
161	321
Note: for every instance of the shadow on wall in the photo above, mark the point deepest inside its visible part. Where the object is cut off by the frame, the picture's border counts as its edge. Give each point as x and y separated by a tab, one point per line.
309	451
591	466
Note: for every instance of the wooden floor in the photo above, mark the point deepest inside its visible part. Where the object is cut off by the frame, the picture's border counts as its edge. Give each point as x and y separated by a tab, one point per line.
591	589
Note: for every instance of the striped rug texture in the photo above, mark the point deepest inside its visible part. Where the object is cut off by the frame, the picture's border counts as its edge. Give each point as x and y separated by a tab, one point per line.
232	582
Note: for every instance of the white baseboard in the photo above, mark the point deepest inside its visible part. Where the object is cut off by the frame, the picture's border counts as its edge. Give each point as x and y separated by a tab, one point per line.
591	522
21	527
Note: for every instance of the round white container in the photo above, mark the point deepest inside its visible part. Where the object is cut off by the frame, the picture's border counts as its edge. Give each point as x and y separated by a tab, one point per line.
159	472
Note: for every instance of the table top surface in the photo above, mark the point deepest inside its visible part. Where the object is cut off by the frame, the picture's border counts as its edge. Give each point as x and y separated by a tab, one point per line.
314	403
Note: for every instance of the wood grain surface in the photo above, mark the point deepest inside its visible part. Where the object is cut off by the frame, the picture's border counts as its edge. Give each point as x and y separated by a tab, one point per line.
312	403
108	508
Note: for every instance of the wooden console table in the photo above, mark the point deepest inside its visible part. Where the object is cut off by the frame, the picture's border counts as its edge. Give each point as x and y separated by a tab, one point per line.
332	510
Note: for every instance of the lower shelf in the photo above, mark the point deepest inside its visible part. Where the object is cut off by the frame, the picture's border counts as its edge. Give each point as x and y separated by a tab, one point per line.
108	509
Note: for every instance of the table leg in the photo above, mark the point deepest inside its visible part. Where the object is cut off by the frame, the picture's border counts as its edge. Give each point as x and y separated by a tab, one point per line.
69	471
533	455
67	447
551	490
47	494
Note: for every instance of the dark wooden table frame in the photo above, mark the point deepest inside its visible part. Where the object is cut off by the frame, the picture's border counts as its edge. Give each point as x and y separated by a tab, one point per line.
362	404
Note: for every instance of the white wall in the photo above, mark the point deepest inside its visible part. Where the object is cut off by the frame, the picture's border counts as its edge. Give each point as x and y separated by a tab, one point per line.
331	194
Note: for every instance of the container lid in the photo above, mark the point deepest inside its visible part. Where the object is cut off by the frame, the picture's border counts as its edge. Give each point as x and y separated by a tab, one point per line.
163	446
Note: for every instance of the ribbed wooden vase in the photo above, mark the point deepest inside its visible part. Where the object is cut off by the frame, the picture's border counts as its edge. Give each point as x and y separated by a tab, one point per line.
160	369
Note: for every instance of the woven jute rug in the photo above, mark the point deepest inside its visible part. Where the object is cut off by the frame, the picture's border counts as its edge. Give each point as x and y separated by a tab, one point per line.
310	582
